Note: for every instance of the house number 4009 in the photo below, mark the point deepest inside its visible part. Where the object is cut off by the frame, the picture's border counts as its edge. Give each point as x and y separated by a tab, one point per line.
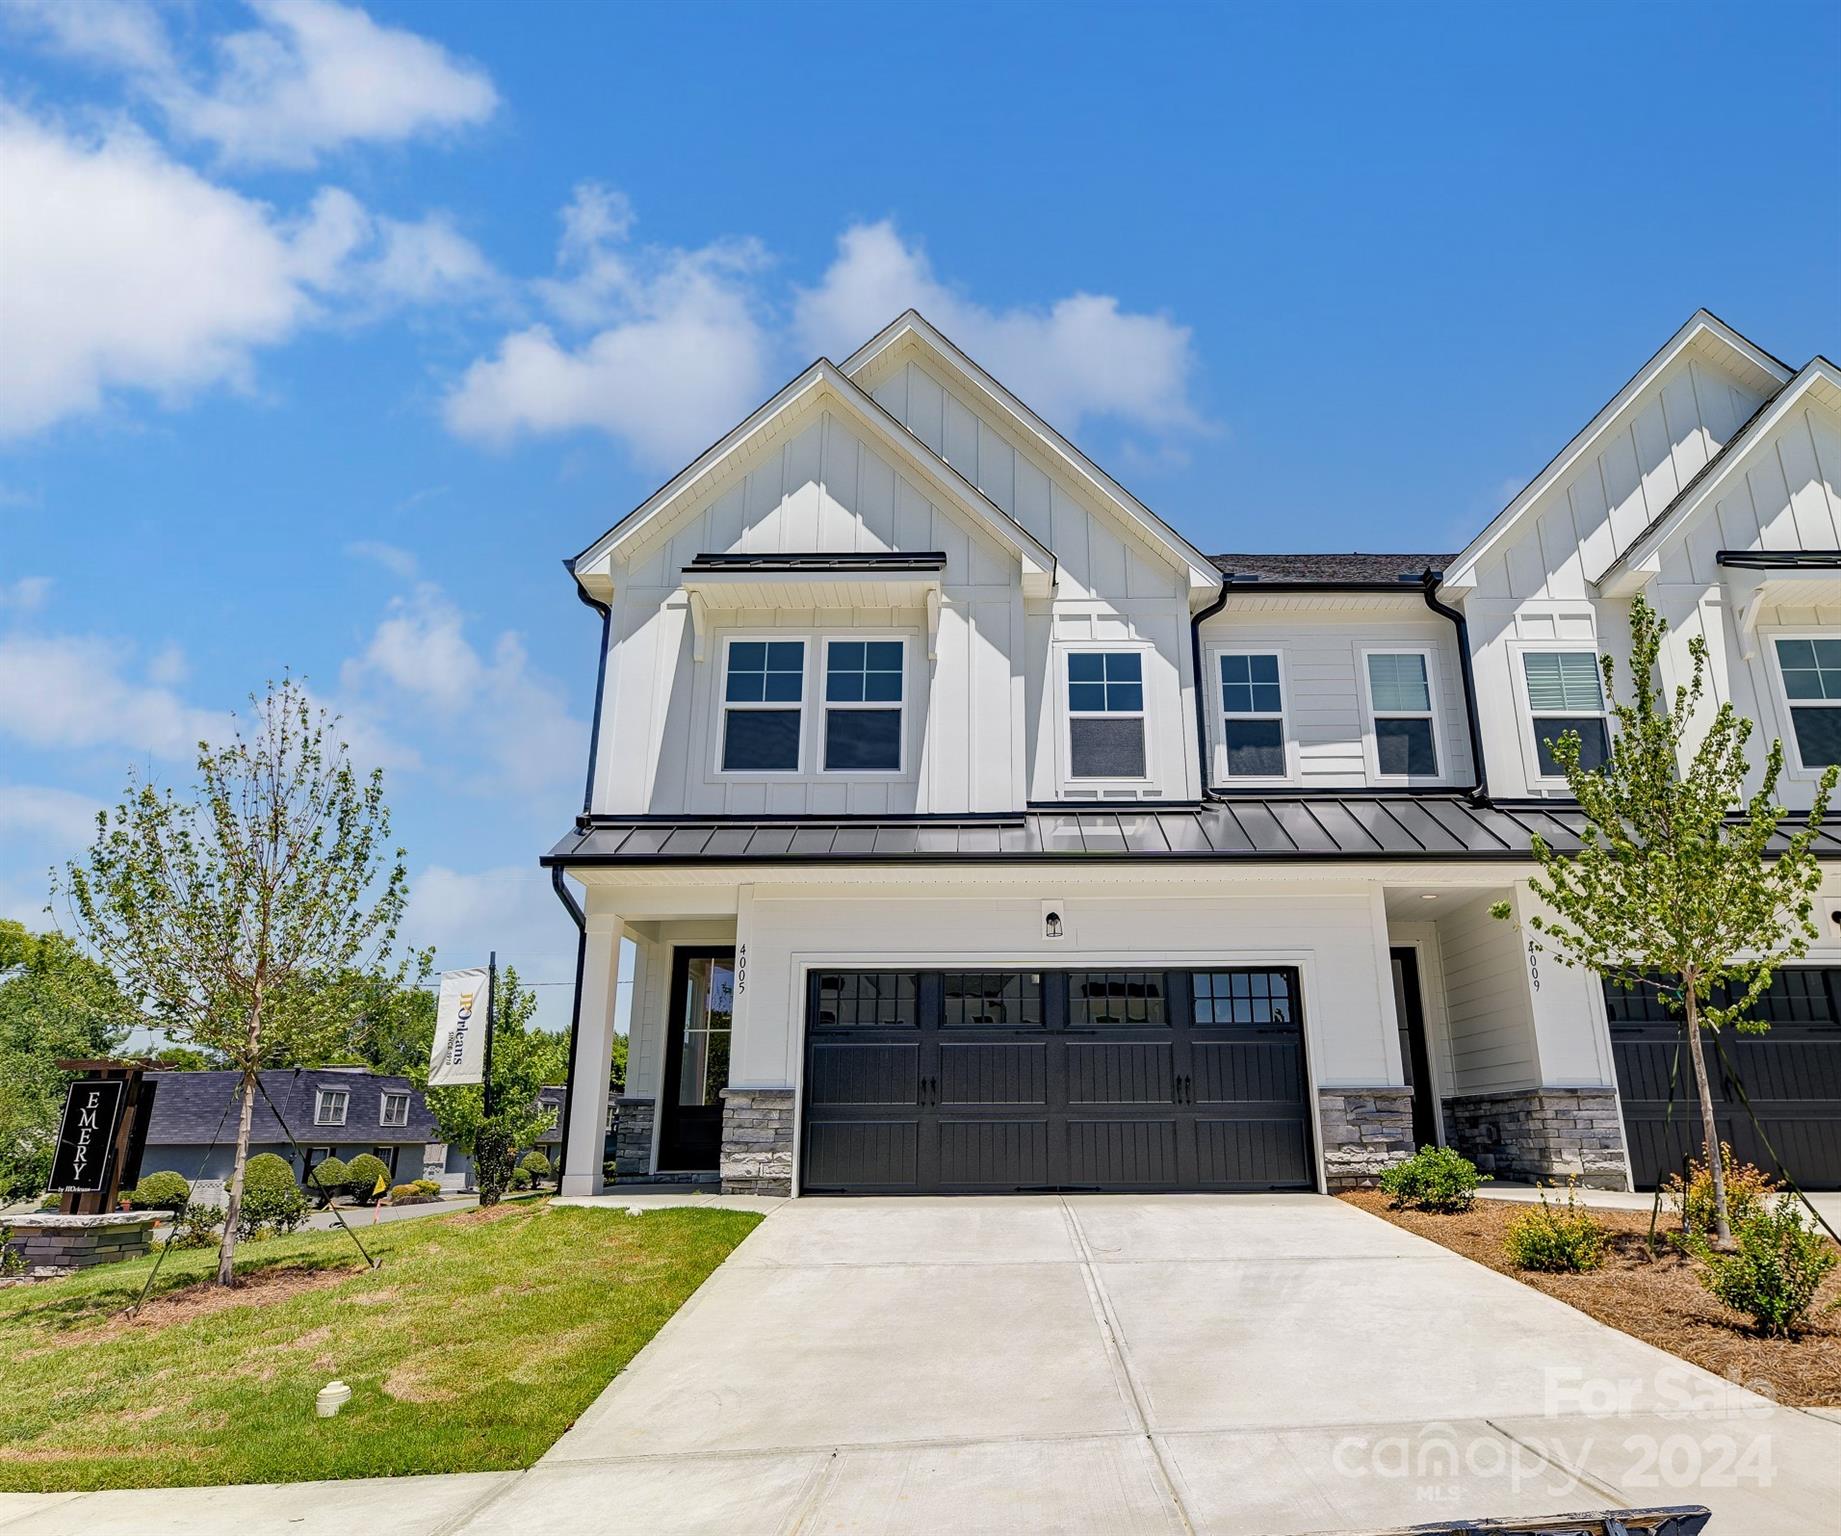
1534	966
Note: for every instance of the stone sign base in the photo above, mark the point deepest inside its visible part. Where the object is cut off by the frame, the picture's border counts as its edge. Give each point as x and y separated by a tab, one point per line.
53	1244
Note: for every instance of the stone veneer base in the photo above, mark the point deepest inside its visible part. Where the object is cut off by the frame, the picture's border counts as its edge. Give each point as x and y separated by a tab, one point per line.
1542	1134
757	1141
1363	1132
633	1137
55	1244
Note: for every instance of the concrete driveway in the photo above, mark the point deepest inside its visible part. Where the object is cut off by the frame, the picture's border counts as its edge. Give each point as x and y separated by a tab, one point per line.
1262	1364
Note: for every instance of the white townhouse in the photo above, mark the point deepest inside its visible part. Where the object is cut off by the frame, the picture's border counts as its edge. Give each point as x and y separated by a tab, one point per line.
975	832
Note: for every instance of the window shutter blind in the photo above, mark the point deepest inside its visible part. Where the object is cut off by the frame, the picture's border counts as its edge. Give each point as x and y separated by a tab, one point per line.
1562	680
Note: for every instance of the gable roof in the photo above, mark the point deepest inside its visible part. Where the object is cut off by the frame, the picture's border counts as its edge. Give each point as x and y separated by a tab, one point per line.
1819	377
825	381
911	325
189	1108
1703	327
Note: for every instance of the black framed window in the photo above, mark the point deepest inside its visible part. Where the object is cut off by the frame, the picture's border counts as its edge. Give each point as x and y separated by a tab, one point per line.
763	697
1241	997
864	685
1566	693
1400	698
1008	999
1116	997
1106	715
868	999
1252	715
1811	671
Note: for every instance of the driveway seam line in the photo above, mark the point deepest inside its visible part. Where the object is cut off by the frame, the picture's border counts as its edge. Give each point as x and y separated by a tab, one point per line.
1578	1474
1113	1335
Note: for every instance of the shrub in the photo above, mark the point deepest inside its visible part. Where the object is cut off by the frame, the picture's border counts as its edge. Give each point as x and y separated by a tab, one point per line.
493	1152
164	1191
272	1201
327	1179
1779	1266
12	1261
1747	1190
536	1165
198	1227
520	1178
1433	1179
362	1174
1556	1239
404	1194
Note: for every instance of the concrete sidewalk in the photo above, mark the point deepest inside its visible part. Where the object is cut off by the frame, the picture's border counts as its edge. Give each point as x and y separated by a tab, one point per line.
1827	1201
1244	1365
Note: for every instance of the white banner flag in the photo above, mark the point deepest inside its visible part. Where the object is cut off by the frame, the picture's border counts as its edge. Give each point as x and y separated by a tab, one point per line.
460	1029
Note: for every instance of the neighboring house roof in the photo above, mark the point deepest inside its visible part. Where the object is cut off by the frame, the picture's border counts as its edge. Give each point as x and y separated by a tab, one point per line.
1328	570
1243	829
1819	378
822	381
1702	328
189	1108
912	325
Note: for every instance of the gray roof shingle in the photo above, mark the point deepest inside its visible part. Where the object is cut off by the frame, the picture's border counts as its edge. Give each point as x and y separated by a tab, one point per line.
189	1108
1329	570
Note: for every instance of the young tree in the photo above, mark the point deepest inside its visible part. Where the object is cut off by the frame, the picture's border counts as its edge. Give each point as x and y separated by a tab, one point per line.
229	910
1674	887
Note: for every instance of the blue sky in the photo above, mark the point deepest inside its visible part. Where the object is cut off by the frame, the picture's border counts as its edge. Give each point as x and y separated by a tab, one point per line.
326	332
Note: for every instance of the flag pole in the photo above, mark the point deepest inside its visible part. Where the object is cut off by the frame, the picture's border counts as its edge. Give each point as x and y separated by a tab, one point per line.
492	1005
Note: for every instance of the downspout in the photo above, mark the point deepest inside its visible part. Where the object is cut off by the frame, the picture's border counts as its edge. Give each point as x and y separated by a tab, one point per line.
1201	694
1479	792
557	878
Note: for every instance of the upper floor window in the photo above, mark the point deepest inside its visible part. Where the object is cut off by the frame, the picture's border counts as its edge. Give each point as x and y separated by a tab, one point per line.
863	695
1400	699
1252	715
1811	671
1565	693
1106	715
329	1106
394	1110
763	694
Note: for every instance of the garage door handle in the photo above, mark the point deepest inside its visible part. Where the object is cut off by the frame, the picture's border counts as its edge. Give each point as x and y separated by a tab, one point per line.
1176	1089
1188	1089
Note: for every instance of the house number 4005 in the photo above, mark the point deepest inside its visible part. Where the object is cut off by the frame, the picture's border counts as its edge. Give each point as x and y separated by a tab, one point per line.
741	969
1534	966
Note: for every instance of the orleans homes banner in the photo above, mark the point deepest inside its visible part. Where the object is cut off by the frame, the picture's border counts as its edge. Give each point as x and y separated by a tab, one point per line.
460	1029
87	1131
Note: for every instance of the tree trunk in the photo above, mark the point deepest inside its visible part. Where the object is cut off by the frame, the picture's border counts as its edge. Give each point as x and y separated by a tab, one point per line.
227	1244
1716	1162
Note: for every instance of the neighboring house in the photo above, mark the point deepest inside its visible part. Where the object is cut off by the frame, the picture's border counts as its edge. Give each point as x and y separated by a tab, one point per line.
976	832
552	1097
331	1111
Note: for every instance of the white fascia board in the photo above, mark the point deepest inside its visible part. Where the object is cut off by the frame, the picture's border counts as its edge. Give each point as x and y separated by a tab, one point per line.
823	381
1203	577
1462	570
1634	568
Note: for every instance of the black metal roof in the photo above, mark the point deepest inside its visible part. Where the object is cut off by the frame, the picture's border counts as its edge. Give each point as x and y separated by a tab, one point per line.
871	560
1328	570
188	1108
1254	829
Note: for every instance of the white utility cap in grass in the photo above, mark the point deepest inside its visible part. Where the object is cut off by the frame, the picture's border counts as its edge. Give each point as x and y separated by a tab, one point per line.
332	1397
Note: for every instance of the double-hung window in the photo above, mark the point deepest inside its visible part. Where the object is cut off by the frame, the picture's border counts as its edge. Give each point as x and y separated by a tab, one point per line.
1252	716
763	694
863	696
1106	715
1565	693
1400	699
329	1106
1811	671
394	1110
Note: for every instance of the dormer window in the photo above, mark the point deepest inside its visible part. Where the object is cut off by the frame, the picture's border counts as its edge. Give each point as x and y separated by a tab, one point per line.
763	696
1400	703
1106	715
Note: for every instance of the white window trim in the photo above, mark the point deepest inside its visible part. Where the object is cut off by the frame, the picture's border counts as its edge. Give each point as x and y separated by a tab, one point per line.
1080	783
724	704
1793	764
1525	716
322	1098
1211	661
900	706
1434	698
383	1106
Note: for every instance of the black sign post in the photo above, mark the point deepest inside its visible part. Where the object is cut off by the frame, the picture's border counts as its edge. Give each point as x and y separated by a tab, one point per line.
86	1136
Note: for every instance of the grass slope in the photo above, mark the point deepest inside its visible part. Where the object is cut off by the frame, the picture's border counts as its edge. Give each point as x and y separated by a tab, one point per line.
479	1340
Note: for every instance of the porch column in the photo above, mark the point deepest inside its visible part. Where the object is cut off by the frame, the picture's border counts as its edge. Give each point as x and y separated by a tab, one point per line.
594	1054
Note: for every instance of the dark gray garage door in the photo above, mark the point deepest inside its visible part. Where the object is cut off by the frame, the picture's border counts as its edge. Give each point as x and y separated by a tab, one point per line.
999	1081
1792	1074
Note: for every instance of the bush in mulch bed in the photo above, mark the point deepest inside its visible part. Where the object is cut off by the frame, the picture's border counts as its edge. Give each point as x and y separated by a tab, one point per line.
1779	1266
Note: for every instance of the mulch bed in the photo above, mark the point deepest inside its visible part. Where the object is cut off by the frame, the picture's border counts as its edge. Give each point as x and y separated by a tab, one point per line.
1657	1300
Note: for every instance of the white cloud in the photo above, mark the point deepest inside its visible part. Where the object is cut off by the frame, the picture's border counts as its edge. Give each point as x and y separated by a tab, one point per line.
126	269
77	691
1081	356
26	595
512	909
396	560
169	667
58	817
677	349
311	77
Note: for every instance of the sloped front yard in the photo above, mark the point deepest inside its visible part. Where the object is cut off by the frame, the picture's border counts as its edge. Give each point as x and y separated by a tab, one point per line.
477	1342
1657	1300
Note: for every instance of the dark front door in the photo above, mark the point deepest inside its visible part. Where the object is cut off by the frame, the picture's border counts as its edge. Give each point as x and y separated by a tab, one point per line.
1409	1009
696	1059
999	1081
1791	1074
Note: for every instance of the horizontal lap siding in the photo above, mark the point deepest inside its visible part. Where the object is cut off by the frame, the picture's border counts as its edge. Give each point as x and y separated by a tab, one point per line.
1490	1029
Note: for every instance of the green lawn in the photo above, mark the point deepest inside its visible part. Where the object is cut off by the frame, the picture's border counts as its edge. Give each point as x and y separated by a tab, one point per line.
479	1340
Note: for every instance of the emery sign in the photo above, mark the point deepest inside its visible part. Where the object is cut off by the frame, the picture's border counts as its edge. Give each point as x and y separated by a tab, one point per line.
91	1110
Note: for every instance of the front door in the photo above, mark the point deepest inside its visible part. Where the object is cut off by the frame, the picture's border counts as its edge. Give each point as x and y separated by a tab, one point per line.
696	1059
1409	1010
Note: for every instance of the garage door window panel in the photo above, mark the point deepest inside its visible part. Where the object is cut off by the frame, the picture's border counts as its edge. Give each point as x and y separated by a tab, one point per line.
868	1000
1117	997
992	999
